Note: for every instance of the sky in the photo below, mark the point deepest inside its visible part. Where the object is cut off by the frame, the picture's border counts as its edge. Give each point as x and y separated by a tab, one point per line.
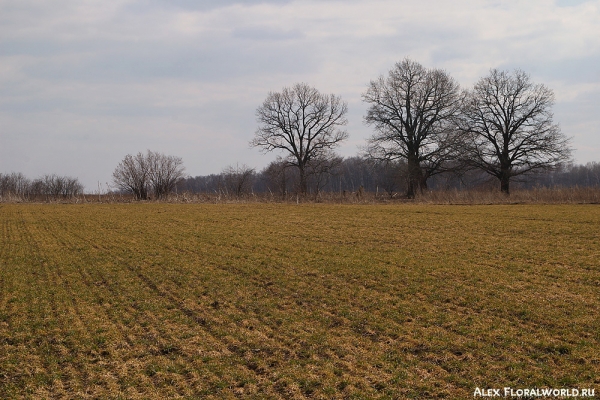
84	82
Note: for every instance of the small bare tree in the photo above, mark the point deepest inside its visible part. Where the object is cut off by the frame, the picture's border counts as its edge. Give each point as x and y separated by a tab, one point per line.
510	129
276	177
390	175
412	110
72	187
303	123
131	175
54	187
321	169
164	172
238	180
14	184
151	173
36	188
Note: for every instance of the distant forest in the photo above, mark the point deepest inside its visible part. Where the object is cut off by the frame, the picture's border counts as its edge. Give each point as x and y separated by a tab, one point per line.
347	176
355	174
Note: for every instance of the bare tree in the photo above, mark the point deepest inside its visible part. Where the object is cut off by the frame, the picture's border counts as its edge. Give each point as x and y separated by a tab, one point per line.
276	177
154	172
36	188
53	187
390	175
412	110
510	128
238	180
164	172
303	123
14	184
320	169
131	175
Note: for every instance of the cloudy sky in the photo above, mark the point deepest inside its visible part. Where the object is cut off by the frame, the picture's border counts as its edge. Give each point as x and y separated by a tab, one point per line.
85	82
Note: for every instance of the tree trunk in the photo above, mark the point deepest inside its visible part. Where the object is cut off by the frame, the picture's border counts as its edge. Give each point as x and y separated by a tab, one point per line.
504	184
410	191
504	180
422	183
415	176
303	185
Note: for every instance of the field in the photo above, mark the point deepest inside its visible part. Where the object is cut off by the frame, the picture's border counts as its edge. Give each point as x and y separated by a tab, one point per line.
294	301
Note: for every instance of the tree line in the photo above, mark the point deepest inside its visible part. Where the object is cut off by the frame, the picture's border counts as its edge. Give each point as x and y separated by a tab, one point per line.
428	133
355	175
16	185
349	176
503	126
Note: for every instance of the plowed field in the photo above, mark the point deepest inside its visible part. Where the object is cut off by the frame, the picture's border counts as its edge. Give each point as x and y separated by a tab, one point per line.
295	301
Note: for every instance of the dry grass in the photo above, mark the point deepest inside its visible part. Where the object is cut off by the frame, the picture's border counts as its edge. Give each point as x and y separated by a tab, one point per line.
294	301
540	195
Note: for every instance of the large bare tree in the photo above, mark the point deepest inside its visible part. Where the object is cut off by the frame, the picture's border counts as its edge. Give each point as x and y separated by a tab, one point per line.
412	110
508	120
303	123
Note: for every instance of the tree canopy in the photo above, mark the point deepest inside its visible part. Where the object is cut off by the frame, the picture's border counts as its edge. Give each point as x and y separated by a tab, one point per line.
510	128
412	109
304	123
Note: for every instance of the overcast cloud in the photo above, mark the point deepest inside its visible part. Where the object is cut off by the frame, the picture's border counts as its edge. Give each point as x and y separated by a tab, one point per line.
82	84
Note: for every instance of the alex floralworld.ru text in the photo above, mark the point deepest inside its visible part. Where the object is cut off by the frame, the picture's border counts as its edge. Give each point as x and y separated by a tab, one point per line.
510	392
